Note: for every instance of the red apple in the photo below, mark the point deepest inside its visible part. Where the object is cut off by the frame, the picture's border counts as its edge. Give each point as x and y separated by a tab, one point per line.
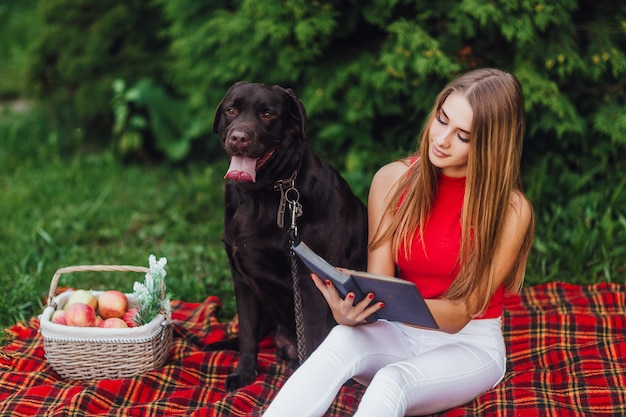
82	296
112	303
80	315
99	321
129	317
58	317
114	322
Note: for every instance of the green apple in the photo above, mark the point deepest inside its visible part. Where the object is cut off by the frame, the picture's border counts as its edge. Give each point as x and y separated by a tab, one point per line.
82	296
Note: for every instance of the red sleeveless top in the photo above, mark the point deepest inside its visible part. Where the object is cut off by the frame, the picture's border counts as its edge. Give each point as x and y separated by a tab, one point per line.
433	270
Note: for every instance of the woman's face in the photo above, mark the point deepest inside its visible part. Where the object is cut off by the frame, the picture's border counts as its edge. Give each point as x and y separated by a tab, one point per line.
448	136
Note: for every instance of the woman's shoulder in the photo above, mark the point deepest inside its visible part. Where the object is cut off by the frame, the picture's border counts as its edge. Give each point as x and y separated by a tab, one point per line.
520	208
389	173
519	201
385	181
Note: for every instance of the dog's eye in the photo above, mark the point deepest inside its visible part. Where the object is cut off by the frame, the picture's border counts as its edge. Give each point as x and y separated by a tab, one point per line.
231	111
268	115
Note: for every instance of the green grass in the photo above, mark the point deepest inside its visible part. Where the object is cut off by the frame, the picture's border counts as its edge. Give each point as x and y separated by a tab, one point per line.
59	211
580	233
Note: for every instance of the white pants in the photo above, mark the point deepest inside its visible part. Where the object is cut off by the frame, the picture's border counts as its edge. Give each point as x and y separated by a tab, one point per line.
409	371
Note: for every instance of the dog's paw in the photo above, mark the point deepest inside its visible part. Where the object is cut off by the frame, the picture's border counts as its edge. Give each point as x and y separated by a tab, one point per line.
240	379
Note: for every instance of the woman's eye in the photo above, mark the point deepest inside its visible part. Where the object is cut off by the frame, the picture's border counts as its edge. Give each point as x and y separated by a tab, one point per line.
462	139
440	120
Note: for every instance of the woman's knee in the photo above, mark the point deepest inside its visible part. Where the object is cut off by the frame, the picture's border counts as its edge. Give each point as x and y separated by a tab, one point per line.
397	376
340	337
349	334
351	342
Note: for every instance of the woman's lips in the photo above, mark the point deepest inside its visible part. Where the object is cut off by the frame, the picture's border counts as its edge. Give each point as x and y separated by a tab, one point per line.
437	152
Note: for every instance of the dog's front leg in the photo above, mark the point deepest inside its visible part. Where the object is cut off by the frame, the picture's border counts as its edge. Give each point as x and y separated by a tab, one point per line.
248	309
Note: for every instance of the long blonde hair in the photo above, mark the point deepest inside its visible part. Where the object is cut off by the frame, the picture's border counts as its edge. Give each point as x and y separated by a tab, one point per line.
493	174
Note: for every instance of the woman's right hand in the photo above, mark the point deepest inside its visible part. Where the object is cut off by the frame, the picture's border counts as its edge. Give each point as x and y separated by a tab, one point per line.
344	310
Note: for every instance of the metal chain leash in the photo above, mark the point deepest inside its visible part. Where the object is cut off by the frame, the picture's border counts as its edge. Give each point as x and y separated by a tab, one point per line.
297	298
290	197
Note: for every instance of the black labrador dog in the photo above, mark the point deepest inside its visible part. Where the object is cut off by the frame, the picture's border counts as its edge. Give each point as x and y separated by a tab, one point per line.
273	174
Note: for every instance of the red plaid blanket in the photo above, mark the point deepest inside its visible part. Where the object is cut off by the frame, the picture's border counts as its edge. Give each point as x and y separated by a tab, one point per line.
567	350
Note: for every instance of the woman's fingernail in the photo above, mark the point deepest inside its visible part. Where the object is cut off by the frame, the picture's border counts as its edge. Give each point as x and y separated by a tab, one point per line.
328	283
311	275
351	296
370	296
381	305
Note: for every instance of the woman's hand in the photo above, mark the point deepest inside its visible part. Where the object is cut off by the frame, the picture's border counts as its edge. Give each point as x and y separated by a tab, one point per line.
343	310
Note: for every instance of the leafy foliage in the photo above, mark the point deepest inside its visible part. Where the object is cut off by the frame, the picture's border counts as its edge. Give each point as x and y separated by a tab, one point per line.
83	46
367	71
17	27
147	117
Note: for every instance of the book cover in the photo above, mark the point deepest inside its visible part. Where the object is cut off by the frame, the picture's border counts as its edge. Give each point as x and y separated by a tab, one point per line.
403	301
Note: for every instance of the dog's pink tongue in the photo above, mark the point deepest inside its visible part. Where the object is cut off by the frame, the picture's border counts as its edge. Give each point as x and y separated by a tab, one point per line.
242	169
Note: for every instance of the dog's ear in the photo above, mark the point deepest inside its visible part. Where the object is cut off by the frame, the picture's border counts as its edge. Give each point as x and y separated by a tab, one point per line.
297	110
218	111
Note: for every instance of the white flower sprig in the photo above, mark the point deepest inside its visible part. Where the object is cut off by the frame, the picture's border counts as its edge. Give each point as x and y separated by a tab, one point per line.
151	294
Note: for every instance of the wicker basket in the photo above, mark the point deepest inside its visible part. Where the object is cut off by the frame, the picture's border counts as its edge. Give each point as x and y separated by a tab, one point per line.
83	353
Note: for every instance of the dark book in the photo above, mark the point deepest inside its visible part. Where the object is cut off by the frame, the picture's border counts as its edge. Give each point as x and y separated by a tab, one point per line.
403	301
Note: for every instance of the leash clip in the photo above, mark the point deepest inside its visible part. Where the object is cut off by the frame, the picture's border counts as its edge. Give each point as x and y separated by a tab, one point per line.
292	196
284	187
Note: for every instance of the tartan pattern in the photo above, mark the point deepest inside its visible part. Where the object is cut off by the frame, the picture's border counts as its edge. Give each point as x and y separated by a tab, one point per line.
566	345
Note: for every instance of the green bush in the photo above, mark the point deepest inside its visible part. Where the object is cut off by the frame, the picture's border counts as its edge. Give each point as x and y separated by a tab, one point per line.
147	117
84	45
18	26
368	71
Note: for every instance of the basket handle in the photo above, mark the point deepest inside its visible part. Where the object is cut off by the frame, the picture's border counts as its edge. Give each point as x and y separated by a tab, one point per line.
95	268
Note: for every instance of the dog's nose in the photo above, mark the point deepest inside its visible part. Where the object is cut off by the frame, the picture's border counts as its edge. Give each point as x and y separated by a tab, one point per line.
238	137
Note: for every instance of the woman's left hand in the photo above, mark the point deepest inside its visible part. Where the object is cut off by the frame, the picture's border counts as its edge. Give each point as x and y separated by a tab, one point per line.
344	310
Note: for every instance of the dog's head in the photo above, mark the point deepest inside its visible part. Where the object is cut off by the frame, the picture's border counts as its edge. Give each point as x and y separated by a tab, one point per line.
258	124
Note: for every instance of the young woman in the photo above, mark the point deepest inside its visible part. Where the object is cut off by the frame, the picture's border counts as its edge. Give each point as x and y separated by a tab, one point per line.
452	219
